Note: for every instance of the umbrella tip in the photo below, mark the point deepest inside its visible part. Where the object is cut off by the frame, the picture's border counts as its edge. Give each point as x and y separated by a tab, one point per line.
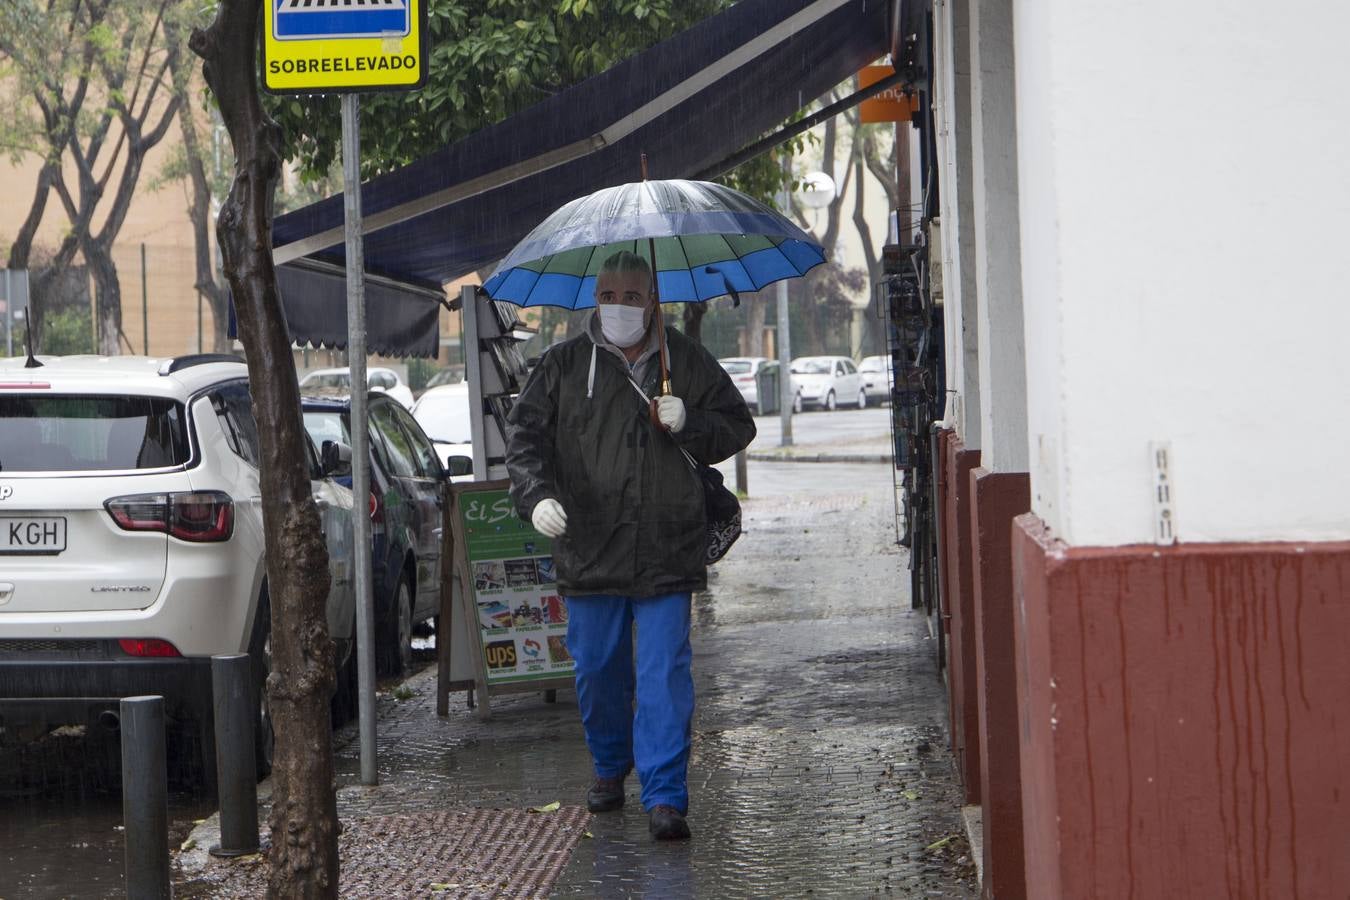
644	166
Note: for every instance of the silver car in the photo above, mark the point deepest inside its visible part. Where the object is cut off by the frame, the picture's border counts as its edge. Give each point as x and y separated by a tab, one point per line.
826	382
744	372
876	377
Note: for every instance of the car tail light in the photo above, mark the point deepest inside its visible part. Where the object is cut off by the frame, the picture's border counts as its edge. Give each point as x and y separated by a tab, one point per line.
147	647
376	508
196	516
744	379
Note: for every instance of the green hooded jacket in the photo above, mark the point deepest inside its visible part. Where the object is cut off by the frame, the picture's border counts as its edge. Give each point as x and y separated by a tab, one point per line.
579	434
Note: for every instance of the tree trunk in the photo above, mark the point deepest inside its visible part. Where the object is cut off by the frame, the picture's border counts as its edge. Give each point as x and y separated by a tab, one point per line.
304	825
693	320
21	251
869	334
22	248
807	295
199	213
752	343
107	300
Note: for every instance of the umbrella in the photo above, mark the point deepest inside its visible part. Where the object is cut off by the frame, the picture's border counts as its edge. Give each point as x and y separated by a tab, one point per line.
707	240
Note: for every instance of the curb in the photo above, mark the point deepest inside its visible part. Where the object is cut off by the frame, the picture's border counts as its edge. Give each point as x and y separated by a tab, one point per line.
973	816
821	457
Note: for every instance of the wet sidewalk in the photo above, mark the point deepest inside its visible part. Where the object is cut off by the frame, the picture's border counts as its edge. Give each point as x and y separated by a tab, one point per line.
819	765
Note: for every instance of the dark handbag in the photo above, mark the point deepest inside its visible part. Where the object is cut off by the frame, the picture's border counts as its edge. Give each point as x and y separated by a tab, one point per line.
723	511
720	506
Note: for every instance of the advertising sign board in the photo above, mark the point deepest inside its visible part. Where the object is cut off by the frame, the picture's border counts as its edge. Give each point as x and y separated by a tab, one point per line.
891	105
509	603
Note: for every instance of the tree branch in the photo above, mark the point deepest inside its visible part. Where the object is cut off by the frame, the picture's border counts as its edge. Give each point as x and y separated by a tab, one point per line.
63	194
156	134
131	173
154	88
145	59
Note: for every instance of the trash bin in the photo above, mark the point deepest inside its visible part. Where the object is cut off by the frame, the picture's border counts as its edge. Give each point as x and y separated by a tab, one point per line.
766	382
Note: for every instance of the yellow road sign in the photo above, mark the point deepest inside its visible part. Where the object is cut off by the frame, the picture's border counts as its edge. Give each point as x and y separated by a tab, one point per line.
337	46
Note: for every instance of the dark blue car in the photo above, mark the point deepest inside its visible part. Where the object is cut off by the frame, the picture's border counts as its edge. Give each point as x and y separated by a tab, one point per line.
408	490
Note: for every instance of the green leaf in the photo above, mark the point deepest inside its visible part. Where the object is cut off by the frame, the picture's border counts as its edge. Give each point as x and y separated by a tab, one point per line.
548	808
487	60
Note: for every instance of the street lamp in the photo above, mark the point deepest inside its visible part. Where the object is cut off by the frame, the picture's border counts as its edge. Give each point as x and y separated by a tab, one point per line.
817	191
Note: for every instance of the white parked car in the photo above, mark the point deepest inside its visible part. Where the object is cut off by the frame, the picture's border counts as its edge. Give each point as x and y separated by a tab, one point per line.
876	377
826	382
744	372
132	542
340	380
443	413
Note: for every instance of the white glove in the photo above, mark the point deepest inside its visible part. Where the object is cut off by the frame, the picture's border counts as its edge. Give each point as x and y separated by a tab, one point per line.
548	518
670	410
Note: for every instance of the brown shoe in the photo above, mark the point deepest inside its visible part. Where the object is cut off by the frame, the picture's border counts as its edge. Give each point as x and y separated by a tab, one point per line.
666	823
606	795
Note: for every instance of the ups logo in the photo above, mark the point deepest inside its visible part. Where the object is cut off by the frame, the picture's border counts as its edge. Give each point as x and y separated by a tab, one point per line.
501	654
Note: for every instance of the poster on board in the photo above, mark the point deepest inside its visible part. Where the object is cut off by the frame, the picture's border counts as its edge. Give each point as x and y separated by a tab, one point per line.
509	566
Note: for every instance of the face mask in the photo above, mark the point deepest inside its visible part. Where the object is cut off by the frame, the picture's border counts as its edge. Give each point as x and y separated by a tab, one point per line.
623	326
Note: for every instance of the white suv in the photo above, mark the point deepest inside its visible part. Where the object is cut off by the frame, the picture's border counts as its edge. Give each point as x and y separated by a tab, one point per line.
131	539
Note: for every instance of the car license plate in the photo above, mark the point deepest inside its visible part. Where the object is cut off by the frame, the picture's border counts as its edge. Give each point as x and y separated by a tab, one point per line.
32	535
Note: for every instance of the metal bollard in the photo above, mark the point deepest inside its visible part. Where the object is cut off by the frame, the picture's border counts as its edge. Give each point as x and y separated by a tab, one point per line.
145	797
236	769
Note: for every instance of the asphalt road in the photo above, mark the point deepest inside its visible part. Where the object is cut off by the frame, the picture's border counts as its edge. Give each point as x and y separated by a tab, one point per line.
842	429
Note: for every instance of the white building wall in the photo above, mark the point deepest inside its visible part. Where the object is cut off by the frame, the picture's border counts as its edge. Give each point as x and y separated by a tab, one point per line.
952	52
1185	205
998	277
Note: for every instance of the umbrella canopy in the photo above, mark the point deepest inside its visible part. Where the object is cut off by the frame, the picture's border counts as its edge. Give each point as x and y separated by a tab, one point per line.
709	240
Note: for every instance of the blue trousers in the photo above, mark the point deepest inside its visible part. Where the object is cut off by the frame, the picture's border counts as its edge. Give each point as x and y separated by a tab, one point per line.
655	739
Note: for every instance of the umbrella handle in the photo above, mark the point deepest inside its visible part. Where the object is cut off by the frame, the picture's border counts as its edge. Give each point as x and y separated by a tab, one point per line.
665	367
660	329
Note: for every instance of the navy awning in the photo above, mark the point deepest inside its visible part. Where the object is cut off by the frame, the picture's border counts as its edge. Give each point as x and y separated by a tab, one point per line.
688	103
401	319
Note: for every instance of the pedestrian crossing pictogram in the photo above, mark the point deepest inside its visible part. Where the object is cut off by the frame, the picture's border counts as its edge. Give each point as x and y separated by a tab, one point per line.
324	19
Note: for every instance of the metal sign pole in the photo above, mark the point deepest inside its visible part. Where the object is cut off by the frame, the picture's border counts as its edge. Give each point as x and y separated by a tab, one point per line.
9	315
145	305
785	394
356	360
473	373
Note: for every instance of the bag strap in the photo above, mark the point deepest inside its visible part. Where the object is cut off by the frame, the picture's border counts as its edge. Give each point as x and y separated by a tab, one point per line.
693	463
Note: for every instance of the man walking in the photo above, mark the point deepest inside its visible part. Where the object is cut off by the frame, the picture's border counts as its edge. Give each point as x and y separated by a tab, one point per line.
625	511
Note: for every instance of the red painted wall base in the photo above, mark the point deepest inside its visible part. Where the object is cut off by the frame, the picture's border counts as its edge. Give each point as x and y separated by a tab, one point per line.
997	499
958	603
1185	718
